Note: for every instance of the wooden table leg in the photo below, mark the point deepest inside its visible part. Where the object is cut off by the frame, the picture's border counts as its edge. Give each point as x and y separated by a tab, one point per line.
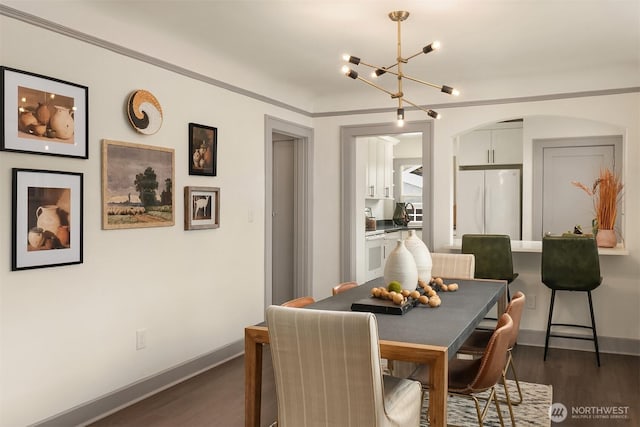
438	360
438	386
252	379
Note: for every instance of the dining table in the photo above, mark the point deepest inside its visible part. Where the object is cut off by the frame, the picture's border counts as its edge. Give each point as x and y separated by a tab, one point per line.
423	334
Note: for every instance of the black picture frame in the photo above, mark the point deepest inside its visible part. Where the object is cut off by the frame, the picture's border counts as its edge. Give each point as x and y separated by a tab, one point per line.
203	150
47	218
43	115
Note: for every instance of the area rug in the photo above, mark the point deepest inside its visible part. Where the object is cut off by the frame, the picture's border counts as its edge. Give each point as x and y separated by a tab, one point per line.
532	412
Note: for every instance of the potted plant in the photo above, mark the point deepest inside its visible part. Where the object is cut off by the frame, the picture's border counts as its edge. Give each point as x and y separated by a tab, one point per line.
606	192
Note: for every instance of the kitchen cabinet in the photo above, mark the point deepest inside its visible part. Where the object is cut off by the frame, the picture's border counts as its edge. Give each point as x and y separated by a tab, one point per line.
379	169
500	145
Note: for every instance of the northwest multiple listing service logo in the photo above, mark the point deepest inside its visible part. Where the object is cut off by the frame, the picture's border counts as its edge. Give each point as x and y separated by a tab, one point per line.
559	412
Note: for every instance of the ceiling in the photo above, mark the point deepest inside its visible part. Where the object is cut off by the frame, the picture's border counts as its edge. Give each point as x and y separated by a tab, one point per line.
301	42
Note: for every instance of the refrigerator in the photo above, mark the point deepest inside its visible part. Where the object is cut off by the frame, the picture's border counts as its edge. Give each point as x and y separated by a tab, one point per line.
489	201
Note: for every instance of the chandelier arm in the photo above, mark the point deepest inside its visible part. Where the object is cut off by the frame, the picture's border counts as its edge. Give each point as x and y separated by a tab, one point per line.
377	87
416	105
414	55
374	66
422	81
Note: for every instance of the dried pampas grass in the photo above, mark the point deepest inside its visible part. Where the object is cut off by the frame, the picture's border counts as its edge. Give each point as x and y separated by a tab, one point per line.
606	191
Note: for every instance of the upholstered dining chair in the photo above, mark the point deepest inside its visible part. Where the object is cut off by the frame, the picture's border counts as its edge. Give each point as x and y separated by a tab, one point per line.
298	302
570	264
494	259
477	343
327	372
345	286
468	377
453	266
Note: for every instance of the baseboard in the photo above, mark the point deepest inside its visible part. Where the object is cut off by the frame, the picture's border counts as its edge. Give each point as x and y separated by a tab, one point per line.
606	344
91	411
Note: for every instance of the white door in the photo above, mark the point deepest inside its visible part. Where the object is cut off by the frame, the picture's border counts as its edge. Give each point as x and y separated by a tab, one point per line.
283	219
563	205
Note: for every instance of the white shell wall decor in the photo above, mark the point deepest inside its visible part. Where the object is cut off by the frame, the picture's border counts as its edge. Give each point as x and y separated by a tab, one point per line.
421	255
401	267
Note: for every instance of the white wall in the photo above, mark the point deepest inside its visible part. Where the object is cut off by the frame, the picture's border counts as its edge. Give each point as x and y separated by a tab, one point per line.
68	333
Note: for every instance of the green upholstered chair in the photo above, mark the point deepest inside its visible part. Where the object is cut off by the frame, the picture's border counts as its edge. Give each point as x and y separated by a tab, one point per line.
570	264
492	256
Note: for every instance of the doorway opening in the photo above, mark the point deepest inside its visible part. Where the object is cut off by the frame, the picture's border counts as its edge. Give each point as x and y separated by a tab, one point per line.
355	189
288	210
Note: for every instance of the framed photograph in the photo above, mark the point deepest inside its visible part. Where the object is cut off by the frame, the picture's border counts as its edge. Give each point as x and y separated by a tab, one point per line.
137	185
44	115
47	218
203	149
201	208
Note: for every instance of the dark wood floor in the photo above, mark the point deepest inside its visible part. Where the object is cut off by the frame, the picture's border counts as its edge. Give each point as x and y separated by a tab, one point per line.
216	397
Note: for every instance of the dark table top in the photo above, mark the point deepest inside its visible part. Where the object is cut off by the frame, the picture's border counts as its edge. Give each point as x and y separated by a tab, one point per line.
446	326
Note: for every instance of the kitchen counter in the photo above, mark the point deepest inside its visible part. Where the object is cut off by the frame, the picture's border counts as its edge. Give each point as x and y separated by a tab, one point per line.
387	226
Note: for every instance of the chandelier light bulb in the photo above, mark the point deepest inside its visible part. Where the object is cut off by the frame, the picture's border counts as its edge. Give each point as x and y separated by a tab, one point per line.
433	114
344	70
400	123
345	57
436	45
450	90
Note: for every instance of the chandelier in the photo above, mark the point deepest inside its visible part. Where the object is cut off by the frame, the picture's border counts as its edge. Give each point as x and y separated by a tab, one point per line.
396	70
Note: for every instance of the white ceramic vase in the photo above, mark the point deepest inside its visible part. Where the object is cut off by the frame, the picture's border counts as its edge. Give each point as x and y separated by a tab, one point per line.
401	267
421	255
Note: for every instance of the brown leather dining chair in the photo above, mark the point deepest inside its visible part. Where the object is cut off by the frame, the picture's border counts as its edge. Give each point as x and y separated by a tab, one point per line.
298	302
468	377
477	343
342	287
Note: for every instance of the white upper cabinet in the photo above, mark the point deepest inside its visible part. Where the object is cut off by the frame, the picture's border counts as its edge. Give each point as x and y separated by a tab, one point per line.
379	170
500	145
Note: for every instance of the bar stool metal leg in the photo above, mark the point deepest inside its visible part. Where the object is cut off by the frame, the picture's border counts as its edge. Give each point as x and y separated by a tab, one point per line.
593	328
546	340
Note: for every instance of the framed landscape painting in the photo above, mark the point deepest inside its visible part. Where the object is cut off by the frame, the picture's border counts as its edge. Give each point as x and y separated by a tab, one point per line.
201	208
137	185
47	218
43	115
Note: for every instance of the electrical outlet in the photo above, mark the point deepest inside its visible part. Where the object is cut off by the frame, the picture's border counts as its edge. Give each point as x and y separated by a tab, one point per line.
531	302
141	339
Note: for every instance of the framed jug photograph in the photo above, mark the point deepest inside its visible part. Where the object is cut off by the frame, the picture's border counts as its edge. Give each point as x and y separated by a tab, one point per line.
44	115
47	218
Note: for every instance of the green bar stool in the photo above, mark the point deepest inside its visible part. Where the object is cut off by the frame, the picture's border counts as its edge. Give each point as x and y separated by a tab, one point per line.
570	264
